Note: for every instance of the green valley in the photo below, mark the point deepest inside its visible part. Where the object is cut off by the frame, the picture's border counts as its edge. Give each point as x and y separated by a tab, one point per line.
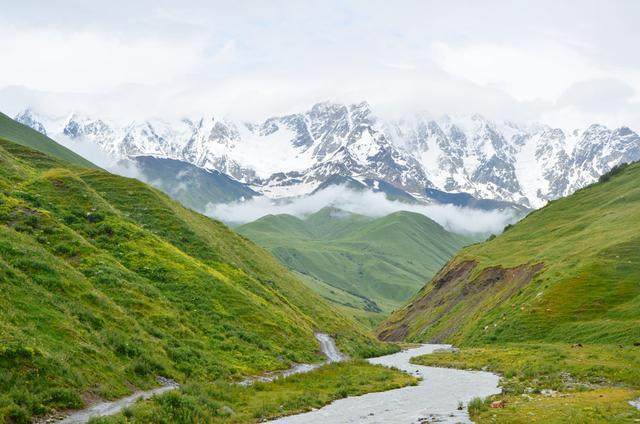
107	283
366	266
339	212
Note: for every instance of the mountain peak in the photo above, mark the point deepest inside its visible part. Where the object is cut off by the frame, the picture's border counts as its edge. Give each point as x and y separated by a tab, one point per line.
29	118
295	154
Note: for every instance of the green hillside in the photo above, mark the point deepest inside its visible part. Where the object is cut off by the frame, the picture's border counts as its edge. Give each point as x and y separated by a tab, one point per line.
192	186
108	283
568	272
18	133
366	266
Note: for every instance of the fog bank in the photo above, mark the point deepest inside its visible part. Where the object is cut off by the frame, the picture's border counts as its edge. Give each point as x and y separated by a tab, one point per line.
369	203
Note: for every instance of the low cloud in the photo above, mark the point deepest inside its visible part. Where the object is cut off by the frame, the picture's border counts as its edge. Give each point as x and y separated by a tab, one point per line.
369	203
92	152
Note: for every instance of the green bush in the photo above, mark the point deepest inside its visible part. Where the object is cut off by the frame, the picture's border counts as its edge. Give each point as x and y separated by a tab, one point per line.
476	406
612	172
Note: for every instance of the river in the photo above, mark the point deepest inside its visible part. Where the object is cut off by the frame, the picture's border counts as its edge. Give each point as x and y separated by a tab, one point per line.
435	399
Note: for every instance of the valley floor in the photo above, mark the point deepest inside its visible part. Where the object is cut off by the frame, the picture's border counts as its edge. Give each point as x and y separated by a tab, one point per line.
553	383
232	403
374	391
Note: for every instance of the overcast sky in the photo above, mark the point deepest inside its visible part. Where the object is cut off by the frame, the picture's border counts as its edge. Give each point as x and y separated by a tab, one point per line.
561	62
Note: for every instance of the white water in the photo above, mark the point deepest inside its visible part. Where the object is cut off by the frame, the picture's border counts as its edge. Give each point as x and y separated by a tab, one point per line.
436	397
327	347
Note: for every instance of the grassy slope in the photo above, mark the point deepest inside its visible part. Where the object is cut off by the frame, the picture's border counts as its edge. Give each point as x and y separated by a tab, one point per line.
22	134
107	283
587	290
351	305
192	186
384	260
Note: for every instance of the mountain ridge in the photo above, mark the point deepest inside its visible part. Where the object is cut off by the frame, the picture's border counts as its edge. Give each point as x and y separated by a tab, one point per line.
293	154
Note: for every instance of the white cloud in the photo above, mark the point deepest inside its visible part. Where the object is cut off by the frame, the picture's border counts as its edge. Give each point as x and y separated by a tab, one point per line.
253	59
368	203
525	72
89	61
597	95
608	101
92	153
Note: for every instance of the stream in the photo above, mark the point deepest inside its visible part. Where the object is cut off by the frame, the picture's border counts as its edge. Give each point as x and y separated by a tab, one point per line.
103	409
327	347
435	399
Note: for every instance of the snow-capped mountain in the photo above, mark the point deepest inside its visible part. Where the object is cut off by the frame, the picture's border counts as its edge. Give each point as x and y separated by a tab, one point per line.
294	154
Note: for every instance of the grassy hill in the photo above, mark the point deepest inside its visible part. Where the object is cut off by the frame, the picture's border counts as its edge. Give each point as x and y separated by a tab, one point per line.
26	136
567	272
192	186
367	266
552	304
107	283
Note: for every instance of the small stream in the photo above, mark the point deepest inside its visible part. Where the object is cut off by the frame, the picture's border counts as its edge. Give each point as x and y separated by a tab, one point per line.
435	399
327	347
103	409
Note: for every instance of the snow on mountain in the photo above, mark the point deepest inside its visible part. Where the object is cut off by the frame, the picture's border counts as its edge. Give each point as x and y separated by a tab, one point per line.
30	119
292	155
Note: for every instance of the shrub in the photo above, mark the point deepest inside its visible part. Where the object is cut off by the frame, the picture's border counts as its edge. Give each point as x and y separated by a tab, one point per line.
63	398
613	171
14	352
146	366
476	406
18	415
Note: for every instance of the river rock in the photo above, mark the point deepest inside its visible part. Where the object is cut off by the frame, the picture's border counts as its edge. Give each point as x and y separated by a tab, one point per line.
497	404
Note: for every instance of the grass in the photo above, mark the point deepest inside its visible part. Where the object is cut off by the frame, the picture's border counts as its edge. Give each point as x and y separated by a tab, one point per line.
366	266
107	283
359	308
222	402
608	405
588	248
553	382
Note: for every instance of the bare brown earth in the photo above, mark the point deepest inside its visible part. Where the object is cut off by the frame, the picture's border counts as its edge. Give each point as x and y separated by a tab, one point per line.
458	291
